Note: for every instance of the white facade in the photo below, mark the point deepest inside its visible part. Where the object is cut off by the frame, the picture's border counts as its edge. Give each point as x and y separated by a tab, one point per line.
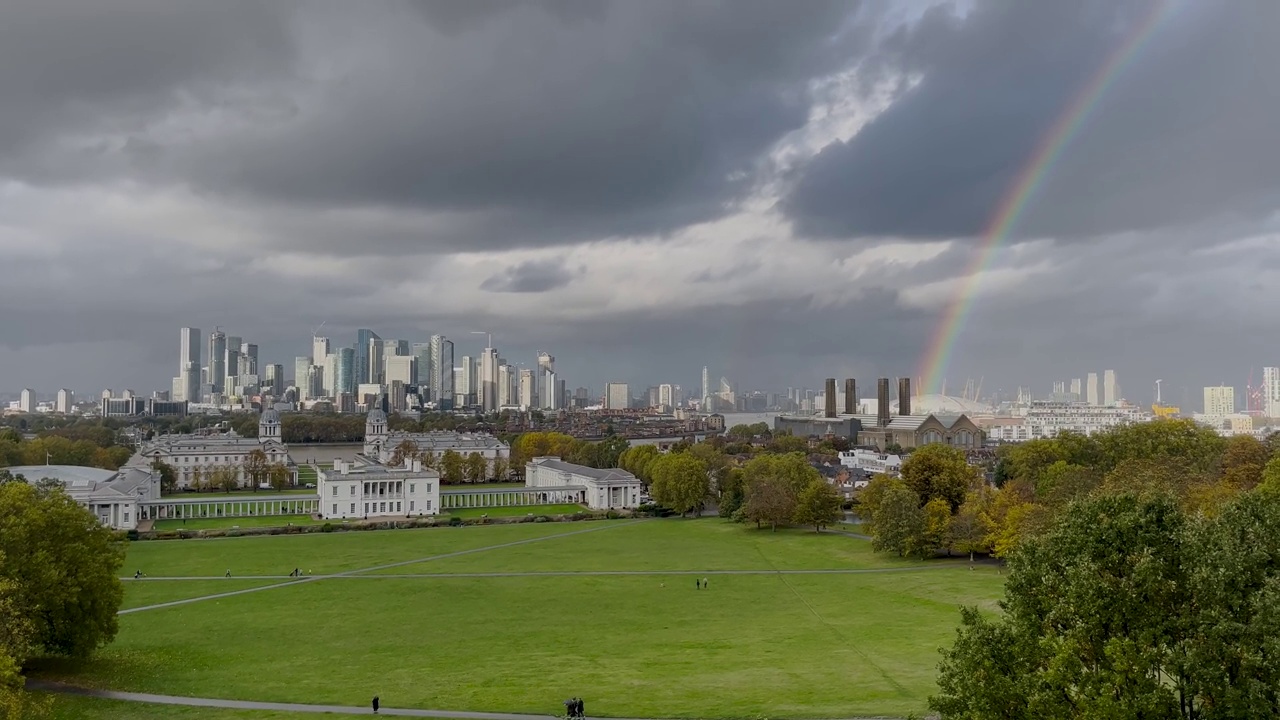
871	461
1271	391
351	491
193	456
1110	388
380	443
602	489
27	400
65	400
113	496
400	367
1045	419
1219	401
1091	389
617	396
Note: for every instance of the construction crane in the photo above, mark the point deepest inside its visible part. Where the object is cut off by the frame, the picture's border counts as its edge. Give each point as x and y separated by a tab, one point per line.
1163	411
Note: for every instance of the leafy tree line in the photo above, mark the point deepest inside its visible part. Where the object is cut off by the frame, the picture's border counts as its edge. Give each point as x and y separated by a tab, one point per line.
603	454
59	585
59	450
1036	481
1133	604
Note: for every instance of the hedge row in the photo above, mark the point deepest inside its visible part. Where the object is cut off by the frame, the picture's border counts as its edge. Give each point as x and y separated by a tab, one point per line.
421	522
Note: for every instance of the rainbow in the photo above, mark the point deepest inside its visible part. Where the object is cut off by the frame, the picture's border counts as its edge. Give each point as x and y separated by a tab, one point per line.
1028	182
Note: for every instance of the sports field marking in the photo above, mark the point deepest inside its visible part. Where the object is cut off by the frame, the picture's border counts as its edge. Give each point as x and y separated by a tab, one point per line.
375	568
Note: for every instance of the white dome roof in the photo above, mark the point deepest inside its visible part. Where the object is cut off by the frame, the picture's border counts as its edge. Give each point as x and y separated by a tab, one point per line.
932	404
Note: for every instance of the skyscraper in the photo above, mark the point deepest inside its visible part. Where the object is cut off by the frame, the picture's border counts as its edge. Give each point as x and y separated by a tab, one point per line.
248	359
1271	391
1091	388
274	382
1110	389
706	389
27	400
301	366
187	384
402	368
217	359
344	371
66	399
1075	389
1219	400
487	395
363	336
464	382
374	354
617	396
442	380
526	388
422	353
319	350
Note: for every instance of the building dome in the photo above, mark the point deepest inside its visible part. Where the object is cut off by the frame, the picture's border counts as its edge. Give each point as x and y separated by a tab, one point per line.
269	416
933	404
376	415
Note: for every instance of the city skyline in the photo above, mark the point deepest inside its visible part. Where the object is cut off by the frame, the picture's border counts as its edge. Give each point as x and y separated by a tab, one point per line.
814	207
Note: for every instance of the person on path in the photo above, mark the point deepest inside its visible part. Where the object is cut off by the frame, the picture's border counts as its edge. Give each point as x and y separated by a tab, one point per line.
704	583
697	584
228	572
581	711
375	704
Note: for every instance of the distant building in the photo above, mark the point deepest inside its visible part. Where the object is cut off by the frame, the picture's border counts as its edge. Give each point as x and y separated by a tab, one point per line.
355	490
602	489
196	456
113	496
27	401
870	461
1110	388
1219	400
380	443
65	402
617	396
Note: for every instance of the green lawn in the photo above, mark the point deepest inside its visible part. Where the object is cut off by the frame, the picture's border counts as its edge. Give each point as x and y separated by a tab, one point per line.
151	592
67	707
307	474
229	522
759	645
515	511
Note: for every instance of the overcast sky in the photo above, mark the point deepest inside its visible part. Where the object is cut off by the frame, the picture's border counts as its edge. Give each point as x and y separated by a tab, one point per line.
783	191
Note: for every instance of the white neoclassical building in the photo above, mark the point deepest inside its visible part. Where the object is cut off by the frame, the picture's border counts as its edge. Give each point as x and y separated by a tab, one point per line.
352	490
380	443
194	454
115	497
602	489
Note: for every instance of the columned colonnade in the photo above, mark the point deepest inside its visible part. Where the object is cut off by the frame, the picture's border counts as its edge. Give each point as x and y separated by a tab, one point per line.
242	506
455	499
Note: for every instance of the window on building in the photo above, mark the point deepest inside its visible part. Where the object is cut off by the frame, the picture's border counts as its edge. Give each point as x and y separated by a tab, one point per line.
335	508
411	488
428	506
353	491
410	503
428	487
126	516
335	490
353	508
398	507
366	508
383	507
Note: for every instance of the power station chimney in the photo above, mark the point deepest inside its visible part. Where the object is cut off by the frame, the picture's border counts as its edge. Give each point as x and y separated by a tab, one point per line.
830	396
904	396
850	397
882	402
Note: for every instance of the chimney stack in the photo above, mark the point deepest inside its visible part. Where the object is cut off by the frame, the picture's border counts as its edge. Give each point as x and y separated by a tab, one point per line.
829	394
882	402
850	397
904	396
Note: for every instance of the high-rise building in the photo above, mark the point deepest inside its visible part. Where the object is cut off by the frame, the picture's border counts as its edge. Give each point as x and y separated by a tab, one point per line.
442	377
487	395
706	389
217	359
666	396
506	379
363	336
319	350
274	384
422	352
249	359
344	367
27	400
1075	389
546	376
1271	391
374	354
315	382
1110	389
403	368
231	364
464	386
301	372
66	400
186	386
526	388
1219	400
1091	388
553	394
617	396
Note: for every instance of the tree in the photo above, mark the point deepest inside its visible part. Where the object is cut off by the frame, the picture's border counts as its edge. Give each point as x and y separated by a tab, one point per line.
936	534
61	570
870	498
451	468
609	450
1243	461
938	471
1093	612
636	460
476	467
168	476
732	491
429	459
769	499
501	469
818	505
968	530
404	450
679	482
256	467
279	476
197	479
899	521
225	478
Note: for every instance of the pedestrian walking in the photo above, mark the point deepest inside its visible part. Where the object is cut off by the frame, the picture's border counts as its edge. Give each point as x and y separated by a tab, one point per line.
704	583
375	704
228	572
697	584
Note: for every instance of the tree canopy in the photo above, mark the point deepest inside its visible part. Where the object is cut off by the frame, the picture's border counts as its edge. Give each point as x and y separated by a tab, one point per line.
680	482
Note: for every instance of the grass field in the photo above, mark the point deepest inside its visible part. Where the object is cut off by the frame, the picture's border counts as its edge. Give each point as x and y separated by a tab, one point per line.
454	633
79	708
516	511
230	522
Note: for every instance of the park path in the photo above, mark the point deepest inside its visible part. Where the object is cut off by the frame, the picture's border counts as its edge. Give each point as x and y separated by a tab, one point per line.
568	573
64	689
375	568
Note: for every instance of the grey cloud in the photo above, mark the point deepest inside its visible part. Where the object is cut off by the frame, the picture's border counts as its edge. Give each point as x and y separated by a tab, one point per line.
536	123
532	276
1184	132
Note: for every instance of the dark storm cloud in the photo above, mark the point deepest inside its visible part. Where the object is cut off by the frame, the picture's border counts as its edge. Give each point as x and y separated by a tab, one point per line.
1185	132
532	276
527	123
